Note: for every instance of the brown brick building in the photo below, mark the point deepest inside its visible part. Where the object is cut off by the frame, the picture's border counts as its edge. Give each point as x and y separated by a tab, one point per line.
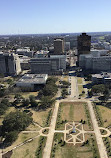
83	44
59	45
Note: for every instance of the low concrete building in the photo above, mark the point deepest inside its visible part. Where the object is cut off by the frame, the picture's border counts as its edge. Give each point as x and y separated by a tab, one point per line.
25	52
98	53
31	82
104	77
41	54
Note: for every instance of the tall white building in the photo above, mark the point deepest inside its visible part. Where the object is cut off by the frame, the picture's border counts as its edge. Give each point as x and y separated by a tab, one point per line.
9	64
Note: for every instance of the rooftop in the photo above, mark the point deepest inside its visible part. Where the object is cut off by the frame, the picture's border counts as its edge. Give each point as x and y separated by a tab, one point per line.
33	78
103	75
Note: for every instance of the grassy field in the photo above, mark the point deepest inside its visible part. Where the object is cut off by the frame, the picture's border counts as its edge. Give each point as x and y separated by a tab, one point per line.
72	111
65	78
63	150
87	82
106	115
27	94
40	116
26	151
79	80
22	137
81	89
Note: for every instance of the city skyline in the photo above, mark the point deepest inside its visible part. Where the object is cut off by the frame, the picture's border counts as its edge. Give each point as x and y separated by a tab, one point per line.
39	17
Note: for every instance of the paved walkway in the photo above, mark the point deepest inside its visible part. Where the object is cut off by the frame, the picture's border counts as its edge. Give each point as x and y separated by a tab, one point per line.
48	147
0	153
76	137
101	147
74	88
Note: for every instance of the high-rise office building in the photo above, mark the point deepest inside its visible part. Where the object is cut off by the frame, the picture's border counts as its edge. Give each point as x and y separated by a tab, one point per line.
9	64
59	45
83	44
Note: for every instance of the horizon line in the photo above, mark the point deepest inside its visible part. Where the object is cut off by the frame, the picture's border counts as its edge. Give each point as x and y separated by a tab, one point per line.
54	33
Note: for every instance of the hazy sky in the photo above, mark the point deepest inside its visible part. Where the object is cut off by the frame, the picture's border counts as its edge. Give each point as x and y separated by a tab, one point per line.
54	16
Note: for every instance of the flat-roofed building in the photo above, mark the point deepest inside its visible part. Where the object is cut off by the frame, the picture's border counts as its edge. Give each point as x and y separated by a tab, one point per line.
103	77
96	61
41	54
30	82
25	52
53	65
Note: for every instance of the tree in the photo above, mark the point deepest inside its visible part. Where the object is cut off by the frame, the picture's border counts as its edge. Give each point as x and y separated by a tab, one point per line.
46	102
15	121
83	92
51	80
2	92
50	89
10	138
10	81
25	102
31	98
18	98
89	76
64	92
90	94
5	101
65	84
98	88
4	106
34	103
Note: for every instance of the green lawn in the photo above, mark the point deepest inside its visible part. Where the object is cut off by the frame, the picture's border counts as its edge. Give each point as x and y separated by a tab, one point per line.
73	111
79	80
106	115
26	151
63	150
81	89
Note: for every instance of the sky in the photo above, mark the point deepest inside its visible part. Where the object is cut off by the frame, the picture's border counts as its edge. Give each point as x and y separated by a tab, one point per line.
54	16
